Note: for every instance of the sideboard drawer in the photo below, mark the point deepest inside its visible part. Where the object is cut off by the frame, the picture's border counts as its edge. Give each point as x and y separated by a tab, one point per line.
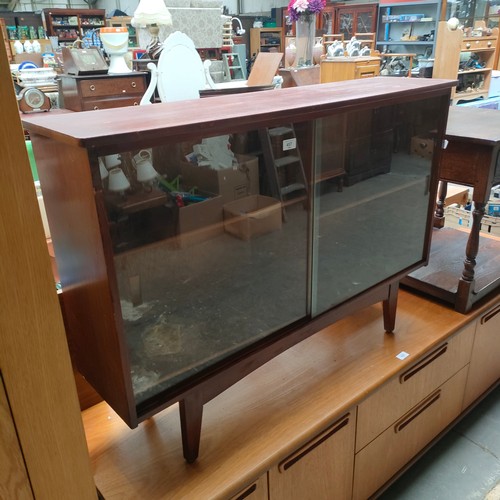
404	391
112	87
320	468
383	457
480	44
93	104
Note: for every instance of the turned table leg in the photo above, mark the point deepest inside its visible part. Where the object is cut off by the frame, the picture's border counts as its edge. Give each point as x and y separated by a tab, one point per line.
440	204
466	283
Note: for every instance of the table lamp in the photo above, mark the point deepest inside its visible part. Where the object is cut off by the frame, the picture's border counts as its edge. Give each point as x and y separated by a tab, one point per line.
152	14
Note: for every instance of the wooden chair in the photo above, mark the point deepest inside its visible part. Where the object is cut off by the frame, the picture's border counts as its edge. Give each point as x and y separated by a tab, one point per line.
367	40
329	39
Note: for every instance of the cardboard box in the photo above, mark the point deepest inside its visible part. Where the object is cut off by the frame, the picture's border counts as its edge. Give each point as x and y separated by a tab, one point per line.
422	146
252	216
230	183
199	221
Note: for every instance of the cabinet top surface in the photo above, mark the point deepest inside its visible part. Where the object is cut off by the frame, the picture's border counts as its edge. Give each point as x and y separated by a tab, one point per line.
217	115
476	125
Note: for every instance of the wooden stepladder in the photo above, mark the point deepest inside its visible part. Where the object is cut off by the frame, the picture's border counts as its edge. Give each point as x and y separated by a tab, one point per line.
232	66
283	164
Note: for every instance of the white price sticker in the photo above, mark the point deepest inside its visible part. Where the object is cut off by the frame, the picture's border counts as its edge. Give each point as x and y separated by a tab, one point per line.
289	144
402	355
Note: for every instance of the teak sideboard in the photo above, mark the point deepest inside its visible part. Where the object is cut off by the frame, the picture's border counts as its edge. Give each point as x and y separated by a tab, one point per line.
316	421
168	301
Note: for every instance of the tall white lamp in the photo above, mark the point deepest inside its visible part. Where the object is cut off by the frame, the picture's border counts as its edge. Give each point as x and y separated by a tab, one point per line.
152	14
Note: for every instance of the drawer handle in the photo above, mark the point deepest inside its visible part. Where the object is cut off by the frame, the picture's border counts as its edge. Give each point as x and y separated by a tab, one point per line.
96	107
413	414
467	45
314	443
489	43
247	492
133	85
423	363
490	315
92	87
136	103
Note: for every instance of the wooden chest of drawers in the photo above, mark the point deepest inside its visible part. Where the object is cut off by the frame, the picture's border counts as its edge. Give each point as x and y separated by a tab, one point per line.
85	93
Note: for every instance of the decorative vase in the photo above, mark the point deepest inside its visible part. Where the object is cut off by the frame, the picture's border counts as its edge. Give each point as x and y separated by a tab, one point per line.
290	53
305	31
318	51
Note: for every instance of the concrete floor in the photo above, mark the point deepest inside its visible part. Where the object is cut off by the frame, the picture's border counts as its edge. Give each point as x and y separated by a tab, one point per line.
464	465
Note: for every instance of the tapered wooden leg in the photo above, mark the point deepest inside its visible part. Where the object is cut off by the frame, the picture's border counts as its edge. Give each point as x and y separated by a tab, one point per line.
389	307
191	412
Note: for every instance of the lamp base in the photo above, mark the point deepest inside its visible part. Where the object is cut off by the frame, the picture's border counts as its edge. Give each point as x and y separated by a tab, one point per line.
154	47
117	64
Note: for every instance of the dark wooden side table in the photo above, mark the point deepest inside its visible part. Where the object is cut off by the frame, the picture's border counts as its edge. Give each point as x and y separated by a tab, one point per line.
90	92
471	158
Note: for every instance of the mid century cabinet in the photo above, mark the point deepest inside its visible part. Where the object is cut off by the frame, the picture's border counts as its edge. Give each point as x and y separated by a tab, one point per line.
163	302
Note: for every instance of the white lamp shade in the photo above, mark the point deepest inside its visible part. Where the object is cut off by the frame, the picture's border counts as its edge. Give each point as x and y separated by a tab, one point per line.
102	169
112	161
151	12
117	180
145	171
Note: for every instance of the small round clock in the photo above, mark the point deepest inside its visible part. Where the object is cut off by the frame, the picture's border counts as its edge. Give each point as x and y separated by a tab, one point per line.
33	100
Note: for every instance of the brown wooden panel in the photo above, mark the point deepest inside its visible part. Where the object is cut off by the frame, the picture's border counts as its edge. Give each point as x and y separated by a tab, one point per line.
14	482
34	358
83	266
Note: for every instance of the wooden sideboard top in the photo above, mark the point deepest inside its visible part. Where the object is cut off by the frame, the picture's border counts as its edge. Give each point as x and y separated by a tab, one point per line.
268	414
153	124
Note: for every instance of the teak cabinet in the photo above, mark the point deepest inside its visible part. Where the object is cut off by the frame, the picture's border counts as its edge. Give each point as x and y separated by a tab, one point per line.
305	420
171	301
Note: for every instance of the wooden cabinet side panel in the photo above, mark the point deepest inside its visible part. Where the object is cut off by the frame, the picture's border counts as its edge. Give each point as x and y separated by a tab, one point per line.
14	482
34	358
83	265
316	472
447	52
484	368
399	443
396	397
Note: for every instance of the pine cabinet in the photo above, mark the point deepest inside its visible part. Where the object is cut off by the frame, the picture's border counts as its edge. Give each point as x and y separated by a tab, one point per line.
470	60
70	24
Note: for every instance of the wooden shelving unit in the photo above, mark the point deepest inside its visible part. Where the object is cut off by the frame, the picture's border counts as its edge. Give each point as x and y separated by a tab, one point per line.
70	25
408	27
266	40
468	59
